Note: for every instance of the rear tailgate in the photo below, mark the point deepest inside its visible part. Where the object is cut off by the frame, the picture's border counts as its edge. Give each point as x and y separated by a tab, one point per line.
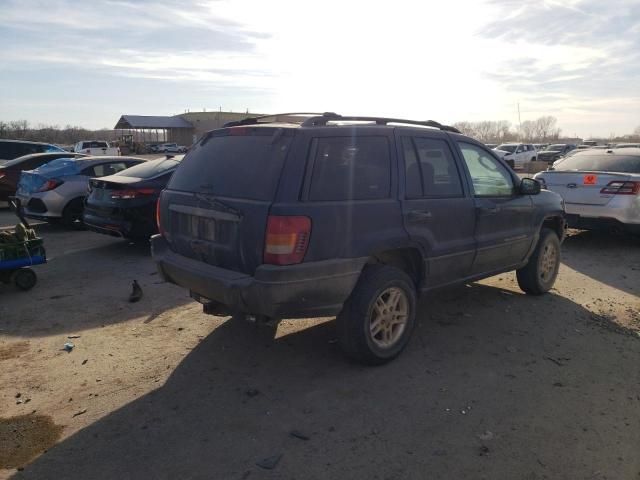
216	205
582	188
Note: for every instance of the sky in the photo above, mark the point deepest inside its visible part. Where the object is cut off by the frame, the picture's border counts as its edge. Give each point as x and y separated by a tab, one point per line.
86	63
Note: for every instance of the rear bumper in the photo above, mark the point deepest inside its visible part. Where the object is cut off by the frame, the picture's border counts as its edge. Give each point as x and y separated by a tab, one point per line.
601	223
298	291
619	213
134	223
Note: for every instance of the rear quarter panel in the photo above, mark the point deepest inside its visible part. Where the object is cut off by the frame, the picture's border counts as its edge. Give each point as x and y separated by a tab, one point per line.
340	229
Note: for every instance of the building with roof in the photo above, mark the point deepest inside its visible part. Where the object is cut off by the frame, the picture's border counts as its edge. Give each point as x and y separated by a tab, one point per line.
183	129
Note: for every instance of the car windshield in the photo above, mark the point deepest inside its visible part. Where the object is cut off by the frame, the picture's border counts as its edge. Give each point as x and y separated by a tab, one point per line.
507	148
601	162
151	168
556	148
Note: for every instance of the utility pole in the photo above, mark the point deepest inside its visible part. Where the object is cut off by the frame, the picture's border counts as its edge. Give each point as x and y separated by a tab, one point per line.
519	123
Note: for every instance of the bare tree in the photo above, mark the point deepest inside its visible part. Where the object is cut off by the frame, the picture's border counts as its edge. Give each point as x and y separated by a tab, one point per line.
546	127
528	131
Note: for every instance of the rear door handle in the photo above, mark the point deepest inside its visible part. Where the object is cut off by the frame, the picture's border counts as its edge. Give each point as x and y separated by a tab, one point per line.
419	215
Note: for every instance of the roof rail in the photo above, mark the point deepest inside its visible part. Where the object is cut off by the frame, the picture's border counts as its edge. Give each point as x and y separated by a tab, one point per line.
319	119
275	117
333	117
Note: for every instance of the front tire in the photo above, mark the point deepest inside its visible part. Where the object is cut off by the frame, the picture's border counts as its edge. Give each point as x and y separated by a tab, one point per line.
377	320
540	273
25	279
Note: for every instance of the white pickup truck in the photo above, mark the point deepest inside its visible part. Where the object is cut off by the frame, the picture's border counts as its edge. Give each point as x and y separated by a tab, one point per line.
96	147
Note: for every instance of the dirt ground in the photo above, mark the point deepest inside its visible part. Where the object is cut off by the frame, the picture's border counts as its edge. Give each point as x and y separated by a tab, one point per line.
494	384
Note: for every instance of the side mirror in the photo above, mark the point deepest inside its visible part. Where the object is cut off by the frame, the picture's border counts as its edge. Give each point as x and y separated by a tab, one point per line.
529	186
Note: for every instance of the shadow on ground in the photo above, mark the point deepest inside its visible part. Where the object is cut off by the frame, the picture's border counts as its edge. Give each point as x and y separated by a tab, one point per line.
85	284
533	391
589	252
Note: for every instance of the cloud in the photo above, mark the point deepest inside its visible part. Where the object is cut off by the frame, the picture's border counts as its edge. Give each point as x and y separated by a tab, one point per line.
157	40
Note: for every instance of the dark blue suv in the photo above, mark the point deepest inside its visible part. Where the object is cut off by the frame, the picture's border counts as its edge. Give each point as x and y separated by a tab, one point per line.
295	216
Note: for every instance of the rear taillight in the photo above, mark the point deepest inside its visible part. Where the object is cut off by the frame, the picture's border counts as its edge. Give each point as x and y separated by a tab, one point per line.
618	187
286	240
133	193
50	185
2	175
158	223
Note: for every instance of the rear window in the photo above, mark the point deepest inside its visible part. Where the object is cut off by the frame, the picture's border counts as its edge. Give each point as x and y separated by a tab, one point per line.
350	168
246	165
94	145
150	169
601	162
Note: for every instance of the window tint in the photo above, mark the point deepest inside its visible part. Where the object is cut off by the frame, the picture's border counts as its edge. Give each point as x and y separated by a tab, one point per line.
238	166
94	145
435	174
11	150
350	168
108	169
151	168
51	148
490	178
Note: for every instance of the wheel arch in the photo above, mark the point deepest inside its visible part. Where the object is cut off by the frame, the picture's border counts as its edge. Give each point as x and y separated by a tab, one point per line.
409	259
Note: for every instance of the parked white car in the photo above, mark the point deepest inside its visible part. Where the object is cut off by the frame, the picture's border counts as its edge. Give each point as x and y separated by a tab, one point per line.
517	154
171	148
96	147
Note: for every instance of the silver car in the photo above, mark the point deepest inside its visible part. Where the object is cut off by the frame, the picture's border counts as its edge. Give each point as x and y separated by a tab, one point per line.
600	188
56	190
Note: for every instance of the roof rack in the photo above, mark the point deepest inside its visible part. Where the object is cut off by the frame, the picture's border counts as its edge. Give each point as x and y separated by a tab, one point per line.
320	119
333	117
276	118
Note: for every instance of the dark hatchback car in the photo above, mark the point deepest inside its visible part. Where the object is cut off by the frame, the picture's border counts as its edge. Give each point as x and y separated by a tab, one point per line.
349	216
10	149
124	204
10	170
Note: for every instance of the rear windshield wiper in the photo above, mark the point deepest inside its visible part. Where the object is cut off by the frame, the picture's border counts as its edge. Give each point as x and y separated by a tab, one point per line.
214	202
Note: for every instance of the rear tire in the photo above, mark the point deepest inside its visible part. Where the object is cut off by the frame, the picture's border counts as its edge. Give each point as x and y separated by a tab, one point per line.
72	212
540	273
377	320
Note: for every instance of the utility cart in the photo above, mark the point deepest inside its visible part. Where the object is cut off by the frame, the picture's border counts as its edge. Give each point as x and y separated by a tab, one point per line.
19	250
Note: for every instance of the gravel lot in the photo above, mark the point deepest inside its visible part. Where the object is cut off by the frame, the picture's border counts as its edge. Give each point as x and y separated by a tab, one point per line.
494	384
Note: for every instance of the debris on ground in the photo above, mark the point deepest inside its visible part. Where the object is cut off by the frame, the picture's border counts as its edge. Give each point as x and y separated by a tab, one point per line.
81	412
252	392
486	435
269	463
298	434
67	347
483	451
73	336
136	292
84	362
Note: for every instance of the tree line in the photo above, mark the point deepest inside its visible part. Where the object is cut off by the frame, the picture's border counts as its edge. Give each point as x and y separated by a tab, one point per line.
541	130
22	130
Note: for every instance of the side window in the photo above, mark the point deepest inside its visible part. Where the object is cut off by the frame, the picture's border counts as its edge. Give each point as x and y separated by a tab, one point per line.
430	168
490	178
350	168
